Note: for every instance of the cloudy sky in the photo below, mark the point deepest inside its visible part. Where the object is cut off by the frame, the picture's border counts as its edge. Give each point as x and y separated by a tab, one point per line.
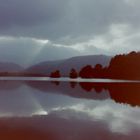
37	30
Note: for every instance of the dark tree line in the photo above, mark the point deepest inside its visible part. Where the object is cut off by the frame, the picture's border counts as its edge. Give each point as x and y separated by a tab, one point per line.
93	72
55	74
125	66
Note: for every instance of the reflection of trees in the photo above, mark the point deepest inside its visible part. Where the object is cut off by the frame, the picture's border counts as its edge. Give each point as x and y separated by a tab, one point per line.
71	89
128	93
86	86
120	92
55	82
73	84
90	86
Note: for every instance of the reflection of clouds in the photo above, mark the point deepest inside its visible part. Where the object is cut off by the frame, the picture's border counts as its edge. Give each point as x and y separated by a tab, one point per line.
119	117
20	102
26	102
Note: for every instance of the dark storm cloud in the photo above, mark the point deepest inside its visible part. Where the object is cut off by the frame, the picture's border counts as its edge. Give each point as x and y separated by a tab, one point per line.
29	12
59	18
77	26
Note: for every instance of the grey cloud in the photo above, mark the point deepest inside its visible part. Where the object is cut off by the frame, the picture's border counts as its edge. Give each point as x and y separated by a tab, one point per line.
57	19
67	22
27	51
29	12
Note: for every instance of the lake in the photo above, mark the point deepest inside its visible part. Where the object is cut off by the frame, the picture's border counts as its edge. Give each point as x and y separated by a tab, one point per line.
40	109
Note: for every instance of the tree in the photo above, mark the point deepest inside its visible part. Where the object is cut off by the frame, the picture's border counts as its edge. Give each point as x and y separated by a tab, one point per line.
55	74
86	72
73	73
98	67
98	71
125	66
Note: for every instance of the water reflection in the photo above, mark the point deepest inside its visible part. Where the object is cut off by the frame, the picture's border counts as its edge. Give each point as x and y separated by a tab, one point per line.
77	111
128	93
120	92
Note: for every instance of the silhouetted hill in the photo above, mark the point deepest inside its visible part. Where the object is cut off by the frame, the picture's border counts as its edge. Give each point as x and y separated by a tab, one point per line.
66	65
10	67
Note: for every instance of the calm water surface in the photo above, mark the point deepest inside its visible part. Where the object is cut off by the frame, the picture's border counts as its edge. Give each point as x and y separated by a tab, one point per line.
53	110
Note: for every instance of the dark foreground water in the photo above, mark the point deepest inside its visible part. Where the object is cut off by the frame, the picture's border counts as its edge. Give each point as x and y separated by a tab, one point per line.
43	110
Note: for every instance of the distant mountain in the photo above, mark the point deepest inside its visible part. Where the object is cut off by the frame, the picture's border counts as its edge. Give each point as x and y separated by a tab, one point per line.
65	65
10	67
